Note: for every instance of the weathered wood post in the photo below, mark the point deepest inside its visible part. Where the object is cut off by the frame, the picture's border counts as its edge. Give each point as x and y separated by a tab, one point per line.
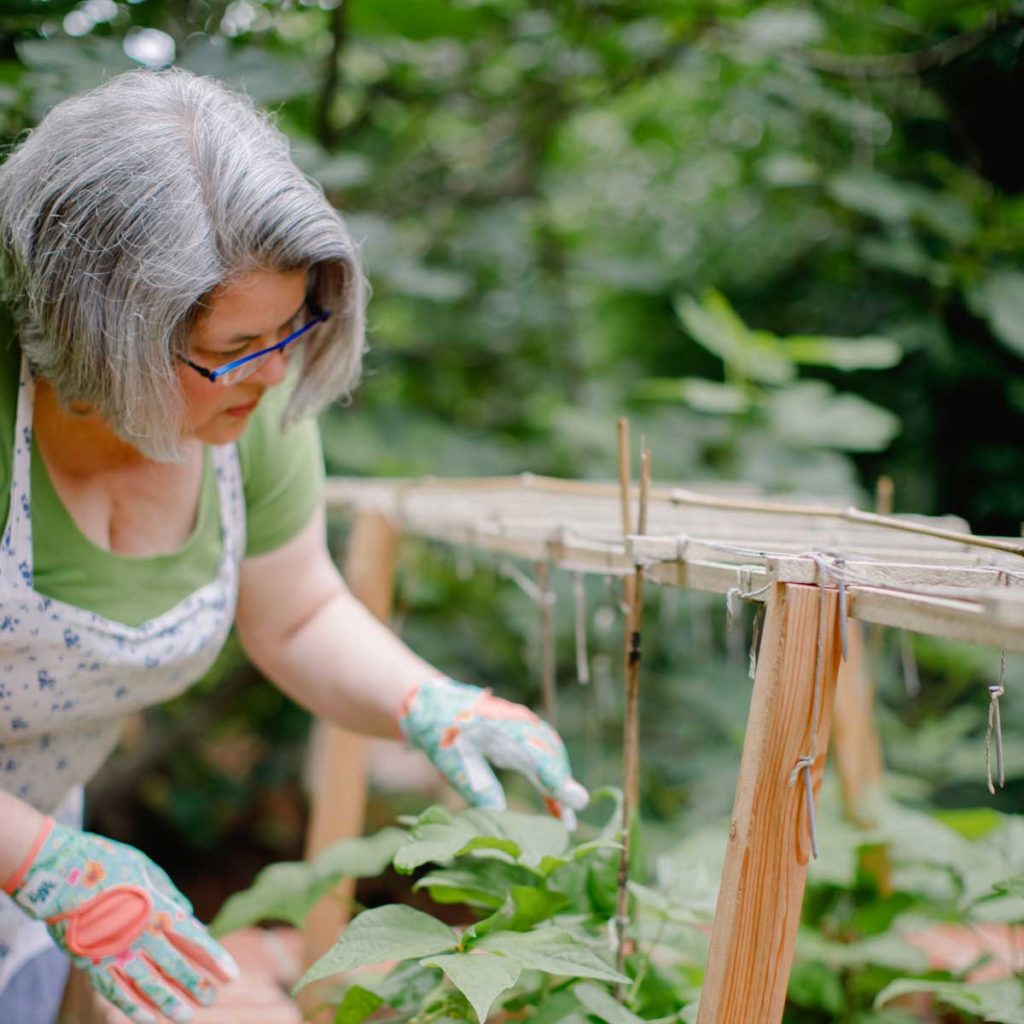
754	931
858	749
339	784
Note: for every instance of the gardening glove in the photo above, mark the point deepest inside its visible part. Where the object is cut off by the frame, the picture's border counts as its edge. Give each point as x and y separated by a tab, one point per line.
122	922
461	728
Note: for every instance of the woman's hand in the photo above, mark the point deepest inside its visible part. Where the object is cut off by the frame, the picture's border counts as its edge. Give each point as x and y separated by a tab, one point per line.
461	728
122	922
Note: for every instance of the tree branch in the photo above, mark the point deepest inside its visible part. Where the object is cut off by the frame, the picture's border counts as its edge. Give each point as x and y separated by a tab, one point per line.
326	132
898	65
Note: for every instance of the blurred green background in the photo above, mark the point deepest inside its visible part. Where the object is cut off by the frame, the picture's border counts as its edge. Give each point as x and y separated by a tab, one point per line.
785	239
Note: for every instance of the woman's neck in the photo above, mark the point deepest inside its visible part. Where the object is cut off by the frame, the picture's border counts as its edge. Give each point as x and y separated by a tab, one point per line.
79	443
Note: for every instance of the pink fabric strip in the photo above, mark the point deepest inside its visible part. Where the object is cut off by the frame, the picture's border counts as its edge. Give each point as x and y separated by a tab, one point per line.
17	878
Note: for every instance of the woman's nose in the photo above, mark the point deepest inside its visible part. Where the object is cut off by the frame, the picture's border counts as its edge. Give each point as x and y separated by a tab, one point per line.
273	368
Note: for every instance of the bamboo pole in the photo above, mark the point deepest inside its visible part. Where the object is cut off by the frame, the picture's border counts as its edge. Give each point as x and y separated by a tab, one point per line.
677	496
339	787
631	725
754	932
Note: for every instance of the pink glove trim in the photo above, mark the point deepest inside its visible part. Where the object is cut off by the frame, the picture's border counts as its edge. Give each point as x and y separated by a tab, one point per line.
403	708
407	701
18	877
108	923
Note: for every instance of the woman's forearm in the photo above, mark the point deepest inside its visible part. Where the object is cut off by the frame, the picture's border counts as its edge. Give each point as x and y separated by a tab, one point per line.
345	666
20	824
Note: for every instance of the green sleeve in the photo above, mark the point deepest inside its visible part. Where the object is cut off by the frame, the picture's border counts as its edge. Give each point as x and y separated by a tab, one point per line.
282	474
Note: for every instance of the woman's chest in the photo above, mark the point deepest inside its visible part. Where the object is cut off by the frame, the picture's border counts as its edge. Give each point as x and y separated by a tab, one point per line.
140	512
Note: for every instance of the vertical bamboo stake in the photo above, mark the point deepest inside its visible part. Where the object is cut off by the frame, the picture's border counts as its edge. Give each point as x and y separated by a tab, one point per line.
628	582
754	932
884	494
631	730
340	771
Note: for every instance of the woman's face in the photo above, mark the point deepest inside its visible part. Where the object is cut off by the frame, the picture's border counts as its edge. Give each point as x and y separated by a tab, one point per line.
248	313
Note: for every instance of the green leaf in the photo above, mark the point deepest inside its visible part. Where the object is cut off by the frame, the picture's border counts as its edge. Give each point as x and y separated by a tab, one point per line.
752	354
559	1008
537	835
999	298
285	892
887	949
868	353
356	1005
781	28
525	907
433	841
554	951
385	933
873	194
1011	886
480	976
364	857
997	1002
701	395
997	856
460	885
487	845
524	838
816	986
598	1002
811	414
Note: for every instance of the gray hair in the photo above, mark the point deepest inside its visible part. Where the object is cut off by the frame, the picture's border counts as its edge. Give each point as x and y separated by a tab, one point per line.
125	208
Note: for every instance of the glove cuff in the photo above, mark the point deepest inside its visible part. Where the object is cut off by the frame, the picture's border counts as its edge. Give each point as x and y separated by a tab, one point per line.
18	877
403	724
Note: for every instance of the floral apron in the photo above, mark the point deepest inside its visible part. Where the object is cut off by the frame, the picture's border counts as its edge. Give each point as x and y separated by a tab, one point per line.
69	677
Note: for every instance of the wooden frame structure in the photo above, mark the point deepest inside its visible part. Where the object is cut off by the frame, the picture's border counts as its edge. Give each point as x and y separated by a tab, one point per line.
819	568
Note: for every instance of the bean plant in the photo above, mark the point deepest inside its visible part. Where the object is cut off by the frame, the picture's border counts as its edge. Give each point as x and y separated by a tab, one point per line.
537	936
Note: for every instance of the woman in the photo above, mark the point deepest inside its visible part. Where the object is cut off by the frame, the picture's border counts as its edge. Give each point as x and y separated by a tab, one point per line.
166	268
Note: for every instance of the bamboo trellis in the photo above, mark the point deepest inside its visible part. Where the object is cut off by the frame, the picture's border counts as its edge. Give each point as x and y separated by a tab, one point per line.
820	569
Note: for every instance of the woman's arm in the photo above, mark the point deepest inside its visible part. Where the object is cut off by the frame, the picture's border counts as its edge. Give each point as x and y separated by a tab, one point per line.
304	630
20	825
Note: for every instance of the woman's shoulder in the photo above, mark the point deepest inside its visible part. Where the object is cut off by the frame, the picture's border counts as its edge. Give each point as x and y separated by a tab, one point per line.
282	473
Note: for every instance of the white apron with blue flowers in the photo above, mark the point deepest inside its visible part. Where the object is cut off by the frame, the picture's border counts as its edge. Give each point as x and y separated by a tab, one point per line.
69	677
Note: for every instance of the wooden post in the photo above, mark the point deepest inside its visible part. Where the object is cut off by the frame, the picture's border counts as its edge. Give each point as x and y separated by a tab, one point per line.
754	931
340	770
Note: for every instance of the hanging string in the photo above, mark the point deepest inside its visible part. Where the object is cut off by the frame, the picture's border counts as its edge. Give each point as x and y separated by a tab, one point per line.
995	728
544	597
539	595
463	561
743	592
836	567
580	599
911	676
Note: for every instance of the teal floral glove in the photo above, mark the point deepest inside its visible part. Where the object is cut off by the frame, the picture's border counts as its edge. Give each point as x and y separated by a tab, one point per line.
461	728
122	922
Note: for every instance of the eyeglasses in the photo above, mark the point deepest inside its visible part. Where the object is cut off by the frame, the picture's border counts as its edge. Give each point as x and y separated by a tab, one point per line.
240	369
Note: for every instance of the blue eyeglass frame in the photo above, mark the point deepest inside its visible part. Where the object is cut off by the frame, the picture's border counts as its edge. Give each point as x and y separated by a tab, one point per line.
223	371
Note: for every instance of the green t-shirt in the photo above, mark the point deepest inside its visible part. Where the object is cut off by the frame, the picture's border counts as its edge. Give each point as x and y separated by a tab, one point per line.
282	475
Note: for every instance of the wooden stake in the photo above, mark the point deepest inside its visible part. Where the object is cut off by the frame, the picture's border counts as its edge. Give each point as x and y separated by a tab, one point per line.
340	776
754	932
858	752
631	731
